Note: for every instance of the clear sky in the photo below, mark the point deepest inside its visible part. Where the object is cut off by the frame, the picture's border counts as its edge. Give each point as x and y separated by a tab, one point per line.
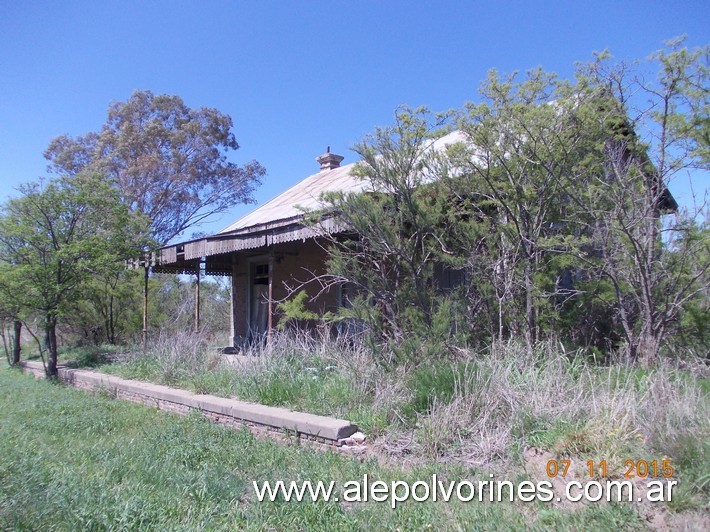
295	76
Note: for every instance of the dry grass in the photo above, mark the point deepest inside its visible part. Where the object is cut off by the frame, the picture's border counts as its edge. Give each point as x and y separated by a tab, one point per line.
499	399
483	410
505	400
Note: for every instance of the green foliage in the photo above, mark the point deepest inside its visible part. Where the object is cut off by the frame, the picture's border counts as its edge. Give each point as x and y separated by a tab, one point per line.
691	329
549	207
109	307
57	233
86	357
55	237
489	208
653	269
167	160
438	382
294	310
691	456
405	232
532	142
688	112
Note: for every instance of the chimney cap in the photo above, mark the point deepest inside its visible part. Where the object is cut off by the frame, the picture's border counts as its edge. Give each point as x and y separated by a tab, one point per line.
329	161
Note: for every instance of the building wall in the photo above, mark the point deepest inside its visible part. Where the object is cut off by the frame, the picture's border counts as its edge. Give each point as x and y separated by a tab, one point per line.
294	266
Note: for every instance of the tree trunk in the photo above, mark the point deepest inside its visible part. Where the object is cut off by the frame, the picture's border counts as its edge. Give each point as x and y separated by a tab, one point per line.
529	309
16	342
145	307
51	341
107	329
648	349
111	322
4	342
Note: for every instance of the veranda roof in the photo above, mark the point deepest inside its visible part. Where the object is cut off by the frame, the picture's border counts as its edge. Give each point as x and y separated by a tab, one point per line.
279	220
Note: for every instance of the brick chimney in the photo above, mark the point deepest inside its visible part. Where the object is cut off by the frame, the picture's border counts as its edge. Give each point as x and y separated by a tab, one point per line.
329	161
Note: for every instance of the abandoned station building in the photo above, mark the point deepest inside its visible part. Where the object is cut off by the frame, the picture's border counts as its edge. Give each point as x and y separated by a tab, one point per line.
273	249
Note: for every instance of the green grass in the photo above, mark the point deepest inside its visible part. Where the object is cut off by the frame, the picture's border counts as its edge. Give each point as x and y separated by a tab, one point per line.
77	356
72	461
485	409
506	399
309	384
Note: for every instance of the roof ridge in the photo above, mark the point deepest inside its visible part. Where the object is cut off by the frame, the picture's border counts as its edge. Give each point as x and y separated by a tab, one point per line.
303	184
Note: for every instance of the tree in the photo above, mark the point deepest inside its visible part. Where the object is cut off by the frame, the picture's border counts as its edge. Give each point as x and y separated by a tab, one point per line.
54	236
578	175
526	146
553	209
656	130
108	310
167	161
402	229
472	234
10	314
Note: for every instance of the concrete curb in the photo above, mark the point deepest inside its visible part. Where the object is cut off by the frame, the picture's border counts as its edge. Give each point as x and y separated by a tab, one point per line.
268	420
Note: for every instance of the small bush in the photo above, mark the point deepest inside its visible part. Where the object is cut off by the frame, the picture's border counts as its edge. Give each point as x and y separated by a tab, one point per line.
435	383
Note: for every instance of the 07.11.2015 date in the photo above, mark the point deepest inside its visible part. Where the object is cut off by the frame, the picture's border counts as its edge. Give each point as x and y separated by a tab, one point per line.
631	468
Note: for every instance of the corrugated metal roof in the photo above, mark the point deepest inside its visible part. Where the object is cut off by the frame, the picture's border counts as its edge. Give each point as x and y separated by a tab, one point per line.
280	219
306	194
302	196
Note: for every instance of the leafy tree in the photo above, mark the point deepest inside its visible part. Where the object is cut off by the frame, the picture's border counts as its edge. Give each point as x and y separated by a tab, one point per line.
11	314
54	236
552	210
109	307
685	261
527	146
402	228
653	262
167	160
487	213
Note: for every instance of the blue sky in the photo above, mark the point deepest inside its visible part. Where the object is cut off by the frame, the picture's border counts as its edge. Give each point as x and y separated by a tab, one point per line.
294	76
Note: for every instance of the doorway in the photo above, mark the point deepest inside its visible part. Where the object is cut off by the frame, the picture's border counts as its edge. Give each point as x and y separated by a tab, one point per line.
259	297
